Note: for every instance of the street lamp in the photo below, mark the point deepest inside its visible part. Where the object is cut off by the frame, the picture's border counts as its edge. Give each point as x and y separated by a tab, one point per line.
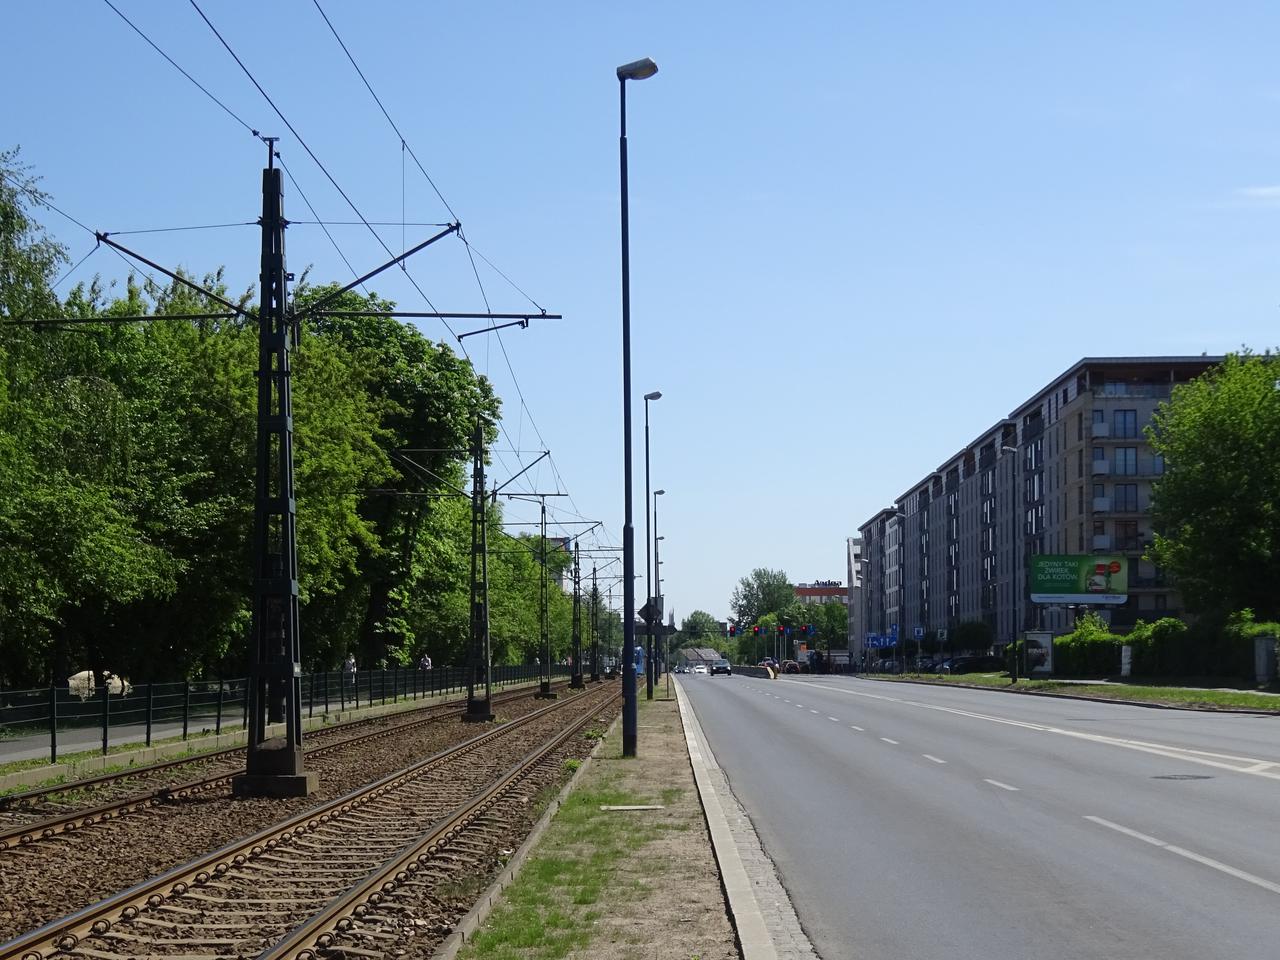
650	664
648	583
637	70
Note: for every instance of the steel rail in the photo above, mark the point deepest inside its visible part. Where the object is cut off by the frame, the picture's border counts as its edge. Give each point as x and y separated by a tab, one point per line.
28	833
65	934
310	940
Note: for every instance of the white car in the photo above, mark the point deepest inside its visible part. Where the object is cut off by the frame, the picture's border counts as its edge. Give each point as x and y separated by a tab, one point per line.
701	668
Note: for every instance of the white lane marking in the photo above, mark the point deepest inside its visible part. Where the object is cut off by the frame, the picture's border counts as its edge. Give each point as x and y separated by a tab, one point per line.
929	756
834	719
1002	786
799	706
887	740
813	711
855	727
1190	855
1220	761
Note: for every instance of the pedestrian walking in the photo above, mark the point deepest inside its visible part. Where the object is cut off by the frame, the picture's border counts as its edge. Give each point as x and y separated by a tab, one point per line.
425	662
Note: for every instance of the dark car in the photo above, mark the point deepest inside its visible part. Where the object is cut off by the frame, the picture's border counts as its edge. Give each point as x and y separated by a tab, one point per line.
975	665
721	666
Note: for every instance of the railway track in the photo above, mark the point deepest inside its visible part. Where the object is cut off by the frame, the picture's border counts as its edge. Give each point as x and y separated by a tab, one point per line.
33	815
295	887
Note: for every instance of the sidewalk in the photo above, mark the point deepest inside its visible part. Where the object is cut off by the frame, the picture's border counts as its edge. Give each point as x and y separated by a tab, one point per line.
645	884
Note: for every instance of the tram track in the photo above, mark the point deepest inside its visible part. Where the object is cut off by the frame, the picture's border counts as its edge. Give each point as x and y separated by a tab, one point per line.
35	815
295	886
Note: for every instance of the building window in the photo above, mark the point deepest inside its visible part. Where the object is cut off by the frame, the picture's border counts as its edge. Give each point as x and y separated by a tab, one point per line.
1080	544
1099	454
1099	415
1126	461
1126	497
1157	464
1080	499
1125	424
1099	528
1080	426
1161	601
1080	464
1127	535
1099	489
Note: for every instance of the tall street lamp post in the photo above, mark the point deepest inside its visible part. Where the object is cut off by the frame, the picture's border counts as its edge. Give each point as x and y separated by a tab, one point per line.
650	663
638	70
648	574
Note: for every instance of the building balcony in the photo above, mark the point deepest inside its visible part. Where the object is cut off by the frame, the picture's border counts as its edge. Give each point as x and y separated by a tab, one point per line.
1097	430
1101	504
1102	541
1101	468
1130	544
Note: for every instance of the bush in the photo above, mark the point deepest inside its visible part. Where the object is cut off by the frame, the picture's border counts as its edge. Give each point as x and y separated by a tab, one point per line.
1090	650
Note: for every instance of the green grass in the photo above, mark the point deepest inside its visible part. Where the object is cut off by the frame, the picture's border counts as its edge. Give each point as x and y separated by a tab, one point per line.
1176	695
574	868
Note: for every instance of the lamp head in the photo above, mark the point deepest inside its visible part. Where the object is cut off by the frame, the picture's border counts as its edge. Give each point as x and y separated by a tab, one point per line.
656	395
658	493
637	70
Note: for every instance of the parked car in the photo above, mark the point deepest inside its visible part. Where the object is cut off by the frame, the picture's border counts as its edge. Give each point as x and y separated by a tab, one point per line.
700	668
721	666
790	666
974	665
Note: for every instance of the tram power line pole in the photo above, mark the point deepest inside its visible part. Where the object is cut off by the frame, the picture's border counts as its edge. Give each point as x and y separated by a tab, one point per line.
575	680
479	660
274	765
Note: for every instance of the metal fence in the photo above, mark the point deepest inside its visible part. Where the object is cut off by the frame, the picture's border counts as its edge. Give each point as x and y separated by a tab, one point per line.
193	707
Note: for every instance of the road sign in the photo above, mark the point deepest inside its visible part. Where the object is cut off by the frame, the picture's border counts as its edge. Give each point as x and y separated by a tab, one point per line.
893	629
942	635
918	632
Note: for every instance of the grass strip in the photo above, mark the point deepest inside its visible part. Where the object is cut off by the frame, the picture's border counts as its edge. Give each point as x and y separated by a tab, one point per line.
1191	697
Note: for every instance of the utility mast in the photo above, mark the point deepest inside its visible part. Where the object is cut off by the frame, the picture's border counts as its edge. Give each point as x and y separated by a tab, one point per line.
274	766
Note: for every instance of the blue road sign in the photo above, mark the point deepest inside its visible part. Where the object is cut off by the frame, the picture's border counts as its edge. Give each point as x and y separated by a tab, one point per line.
918	632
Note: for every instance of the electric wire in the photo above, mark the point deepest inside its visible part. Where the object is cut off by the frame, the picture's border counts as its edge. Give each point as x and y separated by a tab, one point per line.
311	153
44	202
231	113
201	226
57	283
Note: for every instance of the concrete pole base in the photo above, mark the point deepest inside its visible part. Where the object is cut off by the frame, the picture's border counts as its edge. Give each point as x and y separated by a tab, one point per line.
275	784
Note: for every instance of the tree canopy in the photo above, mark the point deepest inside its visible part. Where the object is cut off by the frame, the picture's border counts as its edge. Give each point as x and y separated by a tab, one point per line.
127	467
1216	510
760	592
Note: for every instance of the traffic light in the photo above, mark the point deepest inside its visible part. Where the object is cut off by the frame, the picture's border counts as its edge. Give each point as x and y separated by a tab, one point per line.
756	630
780	628
733	631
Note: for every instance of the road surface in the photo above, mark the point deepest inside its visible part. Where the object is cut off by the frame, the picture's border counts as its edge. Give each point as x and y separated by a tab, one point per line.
912	822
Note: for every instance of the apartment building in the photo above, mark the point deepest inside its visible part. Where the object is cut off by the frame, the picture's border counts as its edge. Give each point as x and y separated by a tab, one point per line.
1069	471
853	555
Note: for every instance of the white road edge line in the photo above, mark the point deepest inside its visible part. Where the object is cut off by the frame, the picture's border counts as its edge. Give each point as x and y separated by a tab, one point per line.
1190	855
1002	786
930	756
887	740
1257	767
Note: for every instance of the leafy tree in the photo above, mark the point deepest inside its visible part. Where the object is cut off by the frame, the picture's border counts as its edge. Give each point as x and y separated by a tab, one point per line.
1216	509
759	593
699	626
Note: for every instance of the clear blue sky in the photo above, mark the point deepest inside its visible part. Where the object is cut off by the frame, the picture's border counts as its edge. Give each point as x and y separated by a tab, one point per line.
861	232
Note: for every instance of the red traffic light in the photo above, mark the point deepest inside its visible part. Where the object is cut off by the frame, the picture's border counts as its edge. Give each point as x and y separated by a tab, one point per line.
733	631
756	630
779	628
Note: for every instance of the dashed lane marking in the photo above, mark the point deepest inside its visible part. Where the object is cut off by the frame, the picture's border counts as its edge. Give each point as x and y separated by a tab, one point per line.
887	740
855	727
1002	786
930	756
813	711
834	719
1189	855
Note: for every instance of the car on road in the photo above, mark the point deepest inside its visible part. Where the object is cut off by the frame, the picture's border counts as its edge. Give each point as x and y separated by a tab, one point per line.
721	666
700	668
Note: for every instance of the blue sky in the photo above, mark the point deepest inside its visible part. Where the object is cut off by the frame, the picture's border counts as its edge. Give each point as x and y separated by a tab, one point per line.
861	232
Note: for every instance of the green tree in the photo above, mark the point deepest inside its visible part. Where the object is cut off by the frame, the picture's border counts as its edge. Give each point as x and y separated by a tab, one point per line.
759	593
699	626
1216	510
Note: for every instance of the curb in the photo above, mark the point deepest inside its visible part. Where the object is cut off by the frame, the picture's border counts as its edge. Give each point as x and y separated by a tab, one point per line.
744	910
468	925
1149	704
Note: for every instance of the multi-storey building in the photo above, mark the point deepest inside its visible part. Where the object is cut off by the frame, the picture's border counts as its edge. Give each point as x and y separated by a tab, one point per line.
821	591
853	552
1069	471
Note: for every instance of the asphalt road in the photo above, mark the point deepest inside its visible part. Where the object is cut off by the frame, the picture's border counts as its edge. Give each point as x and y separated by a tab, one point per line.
913	822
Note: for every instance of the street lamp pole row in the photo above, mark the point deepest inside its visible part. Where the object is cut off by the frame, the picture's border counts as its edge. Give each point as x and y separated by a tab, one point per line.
637	70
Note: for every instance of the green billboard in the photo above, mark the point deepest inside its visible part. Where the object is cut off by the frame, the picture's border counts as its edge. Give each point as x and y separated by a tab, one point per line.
1079	579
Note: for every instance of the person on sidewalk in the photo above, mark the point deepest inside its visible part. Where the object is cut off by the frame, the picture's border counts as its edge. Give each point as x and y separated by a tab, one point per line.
424	663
